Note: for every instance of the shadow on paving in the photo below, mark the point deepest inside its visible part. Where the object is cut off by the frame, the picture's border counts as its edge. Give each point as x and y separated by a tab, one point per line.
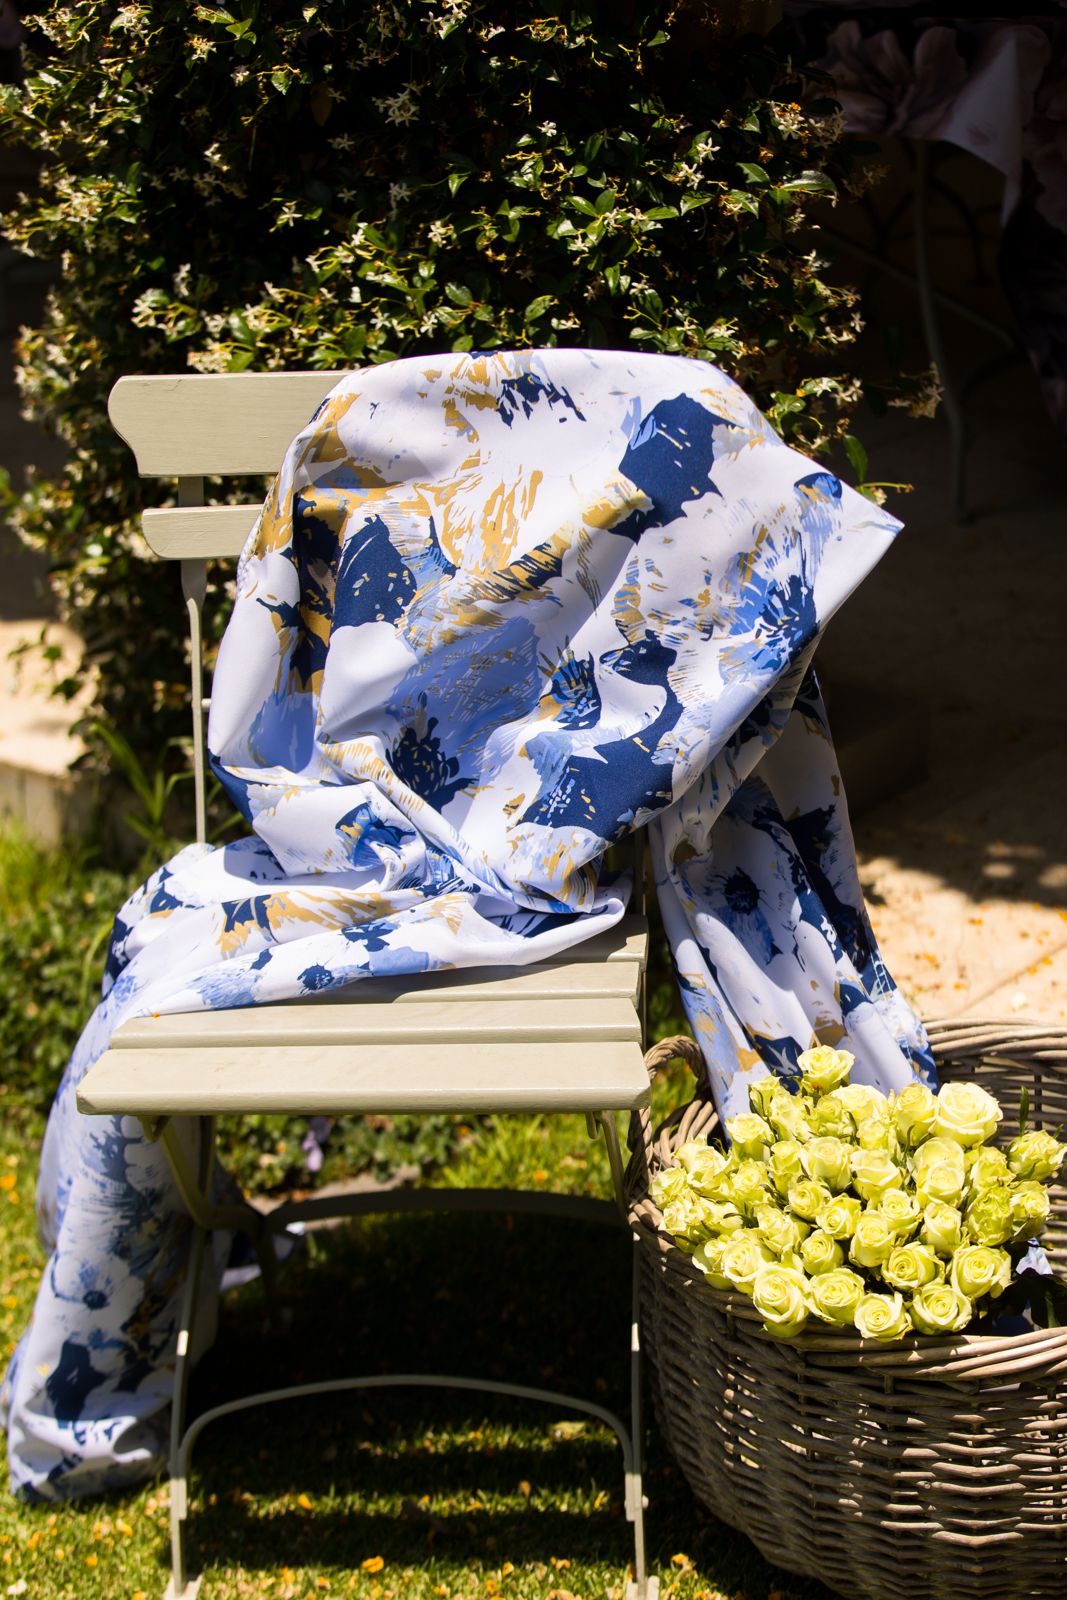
421	1477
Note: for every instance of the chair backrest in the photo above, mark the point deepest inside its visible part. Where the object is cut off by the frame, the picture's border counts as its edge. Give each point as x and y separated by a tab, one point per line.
193	426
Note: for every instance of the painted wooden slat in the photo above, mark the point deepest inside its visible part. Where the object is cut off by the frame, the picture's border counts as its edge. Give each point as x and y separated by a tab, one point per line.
338	1079
181	533
214	423
447	1022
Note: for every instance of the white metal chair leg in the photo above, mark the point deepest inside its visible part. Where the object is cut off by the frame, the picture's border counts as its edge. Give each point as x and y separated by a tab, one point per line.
181	1587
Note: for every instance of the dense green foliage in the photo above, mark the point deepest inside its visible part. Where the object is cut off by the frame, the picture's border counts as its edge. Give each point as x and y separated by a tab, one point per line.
55	916
324	184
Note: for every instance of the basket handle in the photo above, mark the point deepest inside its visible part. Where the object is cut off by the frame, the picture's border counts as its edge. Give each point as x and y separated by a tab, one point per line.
639	1137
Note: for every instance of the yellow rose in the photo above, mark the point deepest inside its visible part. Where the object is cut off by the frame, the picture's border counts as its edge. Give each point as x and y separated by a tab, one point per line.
839	1217
699	1154
779	1231
780	1295
861	1100
882	1316
786	1115
878	1133
750	1135
743	1256
900	1209
872	1241
988	1218
835	1295
707	1258
942	1227
966	1113
829	1116
823	1068
688	1220
1030	1207
828	1160
709	1178
940	1171
785	1164
914	1112
761	1091
668	1185
1036	1155
940	1308
749	1185
873	1171
820	1253
910	1266
977	1270
807	1198
986	1167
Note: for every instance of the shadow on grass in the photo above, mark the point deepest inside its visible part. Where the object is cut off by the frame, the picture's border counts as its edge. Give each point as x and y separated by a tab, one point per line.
422	1478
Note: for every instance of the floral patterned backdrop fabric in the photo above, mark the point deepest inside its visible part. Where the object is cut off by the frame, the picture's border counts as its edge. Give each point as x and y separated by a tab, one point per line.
499	611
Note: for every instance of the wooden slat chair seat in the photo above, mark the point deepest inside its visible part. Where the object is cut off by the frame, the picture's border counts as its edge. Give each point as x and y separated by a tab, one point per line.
565	1035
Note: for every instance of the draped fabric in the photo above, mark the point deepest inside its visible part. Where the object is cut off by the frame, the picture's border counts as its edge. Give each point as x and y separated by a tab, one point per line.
499	611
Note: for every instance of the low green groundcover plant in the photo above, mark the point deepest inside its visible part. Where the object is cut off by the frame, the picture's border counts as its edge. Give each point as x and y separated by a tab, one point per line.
292	185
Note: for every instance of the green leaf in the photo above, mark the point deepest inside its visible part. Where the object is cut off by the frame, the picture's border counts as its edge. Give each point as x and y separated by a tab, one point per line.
809	183
743	201
456	180
606	202
458	293
857	460
538	307
754	172
660	213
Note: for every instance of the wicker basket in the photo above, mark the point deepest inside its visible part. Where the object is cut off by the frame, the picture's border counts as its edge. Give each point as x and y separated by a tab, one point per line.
934	1469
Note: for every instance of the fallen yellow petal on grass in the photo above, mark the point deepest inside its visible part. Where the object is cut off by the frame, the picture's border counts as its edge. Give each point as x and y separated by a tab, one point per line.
123	1528
304	1502
91	1561
507	1569
8	1180
373	1564
682	1561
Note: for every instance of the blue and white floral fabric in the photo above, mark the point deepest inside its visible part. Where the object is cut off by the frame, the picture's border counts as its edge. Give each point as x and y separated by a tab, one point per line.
499	611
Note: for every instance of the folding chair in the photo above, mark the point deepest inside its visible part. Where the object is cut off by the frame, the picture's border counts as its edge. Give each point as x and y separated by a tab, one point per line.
466	1041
